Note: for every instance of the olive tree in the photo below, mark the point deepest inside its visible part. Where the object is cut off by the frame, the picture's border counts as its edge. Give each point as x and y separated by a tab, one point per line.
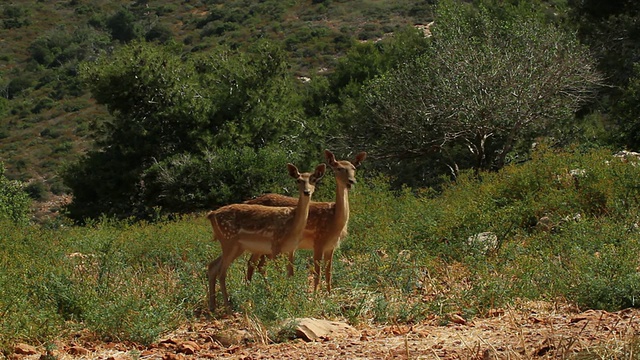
490	79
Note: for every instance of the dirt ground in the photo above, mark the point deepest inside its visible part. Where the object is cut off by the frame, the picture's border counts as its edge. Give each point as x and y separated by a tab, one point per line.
534	330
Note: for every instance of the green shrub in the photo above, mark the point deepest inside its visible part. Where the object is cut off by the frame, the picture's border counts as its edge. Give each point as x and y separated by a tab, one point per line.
124	282
75	105
26	311
43	104
4	106
218	28
37	190
123	26
15	16
57	187
187	182
14	201
18	85
49	133
63	147
160	33
553	218
165	9
273	297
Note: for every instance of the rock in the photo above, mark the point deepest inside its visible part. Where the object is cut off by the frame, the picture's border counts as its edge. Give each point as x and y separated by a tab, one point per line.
425	28
545	224
172	356
578	172
625	155
168	344
118	357
232	337
310	329
77	351
457	319
24	349
188	347
484	242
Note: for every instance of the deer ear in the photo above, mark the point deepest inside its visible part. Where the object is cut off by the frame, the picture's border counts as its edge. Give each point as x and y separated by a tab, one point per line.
331	159
319	173
293	171
359	159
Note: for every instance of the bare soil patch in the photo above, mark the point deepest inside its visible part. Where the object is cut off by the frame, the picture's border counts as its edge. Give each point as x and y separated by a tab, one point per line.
530	330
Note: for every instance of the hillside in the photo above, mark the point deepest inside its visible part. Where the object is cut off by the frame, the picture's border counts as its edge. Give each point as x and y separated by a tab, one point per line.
47	115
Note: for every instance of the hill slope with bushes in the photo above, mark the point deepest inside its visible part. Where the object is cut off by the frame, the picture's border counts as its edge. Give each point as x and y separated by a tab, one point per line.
48	116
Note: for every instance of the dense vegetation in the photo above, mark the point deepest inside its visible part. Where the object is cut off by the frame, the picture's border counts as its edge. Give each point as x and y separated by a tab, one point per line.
49	116
180	88
490	174
409	255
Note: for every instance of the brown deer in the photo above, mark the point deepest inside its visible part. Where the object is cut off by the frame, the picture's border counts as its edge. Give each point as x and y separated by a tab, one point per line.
327	223
258	229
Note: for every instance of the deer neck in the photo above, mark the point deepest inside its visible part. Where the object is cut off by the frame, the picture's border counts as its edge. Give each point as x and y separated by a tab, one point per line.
342	206
301	214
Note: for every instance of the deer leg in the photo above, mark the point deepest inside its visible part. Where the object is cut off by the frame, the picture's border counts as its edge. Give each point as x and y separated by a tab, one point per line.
223	288
222	275
328	259
290	264
251	265
263	260
317	259
212	275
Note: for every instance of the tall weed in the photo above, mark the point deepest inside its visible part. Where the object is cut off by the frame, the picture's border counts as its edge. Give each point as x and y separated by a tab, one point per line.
121	281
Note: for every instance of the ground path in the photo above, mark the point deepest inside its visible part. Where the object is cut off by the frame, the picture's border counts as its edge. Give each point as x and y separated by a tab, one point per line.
531	330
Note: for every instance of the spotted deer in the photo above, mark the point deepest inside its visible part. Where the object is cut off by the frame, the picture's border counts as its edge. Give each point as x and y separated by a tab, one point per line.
259	230
327	223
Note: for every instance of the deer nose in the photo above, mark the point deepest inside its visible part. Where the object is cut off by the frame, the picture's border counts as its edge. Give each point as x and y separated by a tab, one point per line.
352	181
307	192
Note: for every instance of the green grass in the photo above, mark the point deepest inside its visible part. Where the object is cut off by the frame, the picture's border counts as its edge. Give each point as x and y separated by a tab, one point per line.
408	256
124	282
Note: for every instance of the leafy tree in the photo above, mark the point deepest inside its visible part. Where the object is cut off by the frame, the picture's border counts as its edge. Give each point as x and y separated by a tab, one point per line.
335	99
165	109
627	112
253	96
188	182
155	100
364	61
123	26
14	201
156	111
611	29
488	83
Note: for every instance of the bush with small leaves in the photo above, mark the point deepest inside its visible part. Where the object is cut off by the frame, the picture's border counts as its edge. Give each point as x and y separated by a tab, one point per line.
14	201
